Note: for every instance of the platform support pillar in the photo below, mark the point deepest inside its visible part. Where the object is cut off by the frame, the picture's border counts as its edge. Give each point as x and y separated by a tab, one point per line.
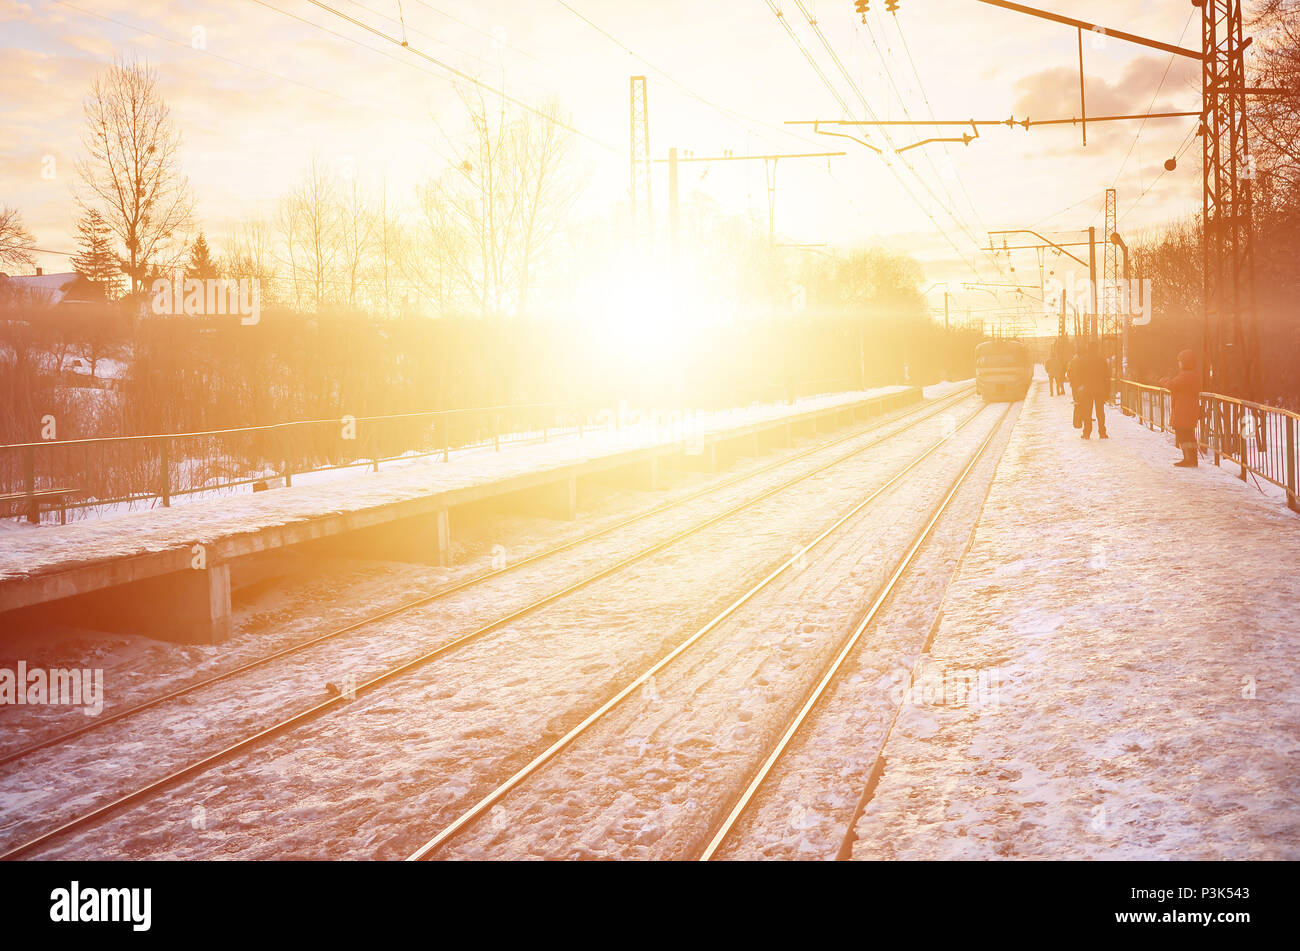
442	537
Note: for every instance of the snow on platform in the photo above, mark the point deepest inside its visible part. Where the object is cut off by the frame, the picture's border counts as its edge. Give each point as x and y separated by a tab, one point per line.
132	542
1115	671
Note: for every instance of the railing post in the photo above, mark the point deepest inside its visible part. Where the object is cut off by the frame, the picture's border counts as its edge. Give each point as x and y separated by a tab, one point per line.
284	453
1291	499
29	483
166	475
1241	441
1216	428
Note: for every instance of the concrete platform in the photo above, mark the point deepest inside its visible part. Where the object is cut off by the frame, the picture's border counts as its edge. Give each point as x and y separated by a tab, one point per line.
166	572
1115	673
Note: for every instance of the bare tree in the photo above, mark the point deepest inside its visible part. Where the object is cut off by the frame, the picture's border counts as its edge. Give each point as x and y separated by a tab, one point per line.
131	171
391	249
310	226
358	220
15	240
493	215
434	261
1275	119
548	186
250	256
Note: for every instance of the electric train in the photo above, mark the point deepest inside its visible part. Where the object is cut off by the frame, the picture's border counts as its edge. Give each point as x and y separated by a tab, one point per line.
1003	369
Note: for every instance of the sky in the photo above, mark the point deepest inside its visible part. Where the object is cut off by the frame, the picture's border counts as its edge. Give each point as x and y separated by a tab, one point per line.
257	86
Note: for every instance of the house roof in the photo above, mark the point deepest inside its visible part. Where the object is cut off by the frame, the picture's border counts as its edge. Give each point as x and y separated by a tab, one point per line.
50	284
56	287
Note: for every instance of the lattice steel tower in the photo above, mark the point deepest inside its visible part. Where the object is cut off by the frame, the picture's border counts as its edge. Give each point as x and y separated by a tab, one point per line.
1231	346
1111	298
639	185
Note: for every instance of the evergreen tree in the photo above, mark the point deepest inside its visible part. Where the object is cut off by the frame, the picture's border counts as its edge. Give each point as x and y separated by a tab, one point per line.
96	262
201	264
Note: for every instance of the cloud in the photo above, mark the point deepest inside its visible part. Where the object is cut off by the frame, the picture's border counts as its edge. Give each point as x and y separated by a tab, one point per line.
10	10
1054	93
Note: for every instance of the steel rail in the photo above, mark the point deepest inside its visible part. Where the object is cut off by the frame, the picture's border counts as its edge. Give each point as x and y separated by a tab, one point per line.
445	592
486	803
811	701
289	723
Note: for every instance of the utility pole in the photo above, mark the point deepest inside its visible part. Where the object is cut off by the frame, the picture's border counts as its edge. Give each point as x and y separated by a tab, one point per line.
1092	281
642	216
1126	313
946	295
1062	247
1230	340
673	236
1110	271
769	166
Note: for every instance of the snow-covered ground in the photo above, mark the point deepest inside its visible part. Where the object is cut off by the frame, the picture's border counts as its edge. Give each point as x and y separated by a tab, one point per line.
375	777
1137	626
1112	674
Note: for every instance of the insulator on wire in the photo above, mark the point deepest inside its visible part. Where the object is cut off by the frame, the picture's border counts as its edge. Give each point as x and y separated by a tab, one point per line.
891	6
862	6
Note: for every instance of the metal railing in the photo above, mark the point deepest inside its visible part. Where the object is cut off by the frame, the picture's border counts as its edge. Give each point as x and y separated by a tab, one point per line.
1259	439
80	475
126	470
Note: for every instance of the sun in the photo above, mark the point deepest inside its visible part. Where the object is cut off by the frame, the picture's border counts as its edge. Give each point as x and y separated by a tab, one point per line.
642	325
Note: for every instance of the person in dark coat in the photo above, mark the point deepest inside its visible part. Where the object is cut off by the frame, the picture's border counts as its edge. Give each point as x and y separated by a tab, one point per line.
1072	364
1185	387
1090	381
1055	367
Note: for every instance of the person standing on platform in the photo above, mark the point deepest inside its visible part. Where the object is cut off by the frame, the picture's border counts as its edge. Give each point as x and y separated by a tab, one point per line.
1091	383
1185	388
1055	367
1076	387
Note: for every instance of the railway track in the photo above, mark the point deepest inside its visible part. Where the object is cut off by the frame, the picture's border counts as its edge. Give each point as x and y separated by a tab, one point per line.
738	809
445	592
485	804
104	810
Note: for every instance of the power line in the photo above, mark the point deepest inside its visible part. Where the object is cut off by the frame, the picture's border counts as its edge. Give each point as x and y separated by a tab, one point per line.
1154	97
776	11
742	118
369	106
898	24
898	95
1187	142
400	20
495	38
866	106
460	74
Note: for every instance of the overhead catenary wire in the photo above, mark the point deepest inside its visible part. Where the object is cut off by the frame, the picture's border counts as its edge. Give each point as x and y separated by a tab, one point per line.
898	25
743	119
189	45
882	54
853	85
848	111
447	67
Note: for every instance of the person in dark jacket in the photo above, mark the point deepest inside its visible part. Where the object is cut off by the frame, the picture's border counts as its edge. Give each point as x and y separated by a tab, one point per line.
1076	388
1090	383
1185	388
1055	367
